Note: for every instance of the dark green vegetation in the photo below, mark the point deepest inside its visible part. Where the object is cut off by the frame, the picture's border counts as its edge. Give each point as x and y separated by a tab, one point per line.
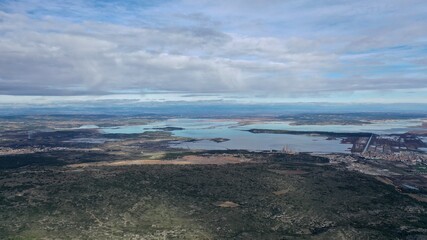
272	195
33	159
52	158
282	197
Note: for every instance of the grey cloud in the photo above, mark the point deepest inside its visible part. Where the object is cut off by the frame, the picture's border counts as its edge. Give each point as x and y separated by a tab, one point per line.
52	55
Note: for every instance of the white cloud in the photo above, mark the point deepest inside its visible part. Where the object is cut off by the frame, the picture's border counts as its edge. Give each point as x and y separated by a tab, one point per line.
280	48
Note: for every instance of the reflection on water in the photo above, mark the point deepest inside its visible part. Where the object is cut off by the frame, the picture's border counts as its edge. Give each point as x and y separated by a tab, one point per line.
256	142
240	139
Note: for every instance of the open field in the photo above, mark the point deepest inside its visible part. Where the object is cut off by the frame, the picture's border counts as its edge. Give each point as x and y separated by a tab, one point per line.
186	160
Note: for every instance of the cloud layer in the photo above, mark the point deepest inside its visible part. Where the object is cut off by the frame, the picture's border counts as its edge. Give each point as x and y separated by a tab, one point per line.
292	48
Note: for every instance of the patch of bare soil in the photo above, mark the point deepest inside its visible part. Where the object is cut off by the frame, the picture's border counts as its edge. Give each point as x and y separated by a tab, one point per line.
128	162
385	180
187	160
226	204
418	197
215	159
281	192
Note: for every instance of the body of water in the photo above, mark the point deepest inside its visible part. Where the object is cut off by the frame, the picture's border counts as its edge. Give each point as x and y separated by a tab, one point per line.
240	139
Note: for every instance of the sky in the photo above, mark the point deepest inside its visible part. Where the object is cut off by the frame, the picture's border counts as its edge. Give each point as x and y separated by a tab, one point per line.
240	51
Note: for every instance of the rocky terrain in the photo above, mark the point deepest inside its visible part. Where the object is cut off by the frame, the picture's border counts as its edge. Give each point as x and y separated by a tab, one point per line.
275	196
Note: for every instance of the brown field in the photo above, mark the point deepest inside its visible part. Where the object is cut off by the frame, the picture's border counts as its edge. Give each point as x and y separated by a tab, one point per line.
186	160
226	204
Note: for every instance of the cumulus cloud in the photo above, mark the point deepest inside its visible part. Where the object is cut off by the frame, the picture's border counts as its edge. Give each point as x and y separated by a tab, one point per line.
278	47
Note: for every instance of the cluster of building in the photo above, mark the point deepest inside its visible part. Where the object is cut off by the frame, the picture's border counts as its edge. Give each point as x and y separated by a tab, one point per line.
404	148
403	156
407	148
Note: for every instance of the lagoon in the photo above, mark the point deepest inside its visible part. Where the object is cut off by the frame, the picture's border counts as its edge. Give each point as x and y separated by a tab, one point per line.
239	138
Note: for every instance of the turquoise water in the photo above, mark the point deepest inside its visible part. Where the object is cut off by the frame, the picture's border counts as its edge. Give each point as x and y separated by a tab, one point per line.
258	142
206	129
